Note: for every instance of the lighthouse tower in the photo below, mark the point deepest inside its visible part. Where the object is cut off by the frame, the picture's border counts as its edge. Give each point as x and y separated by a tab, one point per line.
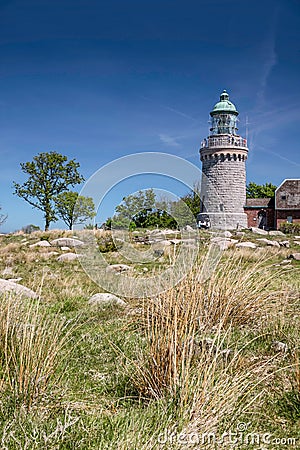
223	155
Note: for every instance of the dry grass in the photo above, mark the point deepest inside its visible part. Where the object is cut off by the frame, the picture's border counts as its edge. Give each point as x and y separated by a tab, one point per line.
181	359
31	349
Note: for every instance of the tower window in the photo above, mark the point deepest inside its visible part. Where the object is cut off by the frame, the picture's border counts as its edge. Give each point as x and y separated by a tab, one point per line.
221	207
283	197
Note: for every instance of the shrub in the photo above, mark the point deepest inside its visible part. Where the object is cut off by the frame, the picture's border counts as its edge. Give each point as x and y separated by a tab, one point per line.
290	228
28	229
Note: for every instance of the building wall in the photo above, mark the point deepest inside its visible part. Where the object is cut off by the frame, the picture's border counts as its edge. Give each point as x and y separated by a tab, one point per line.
288	195
282	215
252	216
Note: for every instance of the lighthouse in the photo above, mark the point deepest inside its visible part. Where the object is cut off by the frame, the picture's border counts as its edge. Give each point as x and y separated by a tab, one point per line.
223	155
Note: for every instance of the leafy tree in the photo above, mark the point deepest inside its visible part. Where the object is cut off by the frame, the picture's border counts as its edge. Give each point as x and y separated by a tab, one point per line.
143	210
134	209
49	174
266	190
73	208
28	229
3	217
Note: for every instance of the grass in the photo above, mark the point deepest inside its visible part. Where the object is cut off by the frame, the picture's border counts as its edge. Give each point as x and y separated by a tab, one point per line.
198	358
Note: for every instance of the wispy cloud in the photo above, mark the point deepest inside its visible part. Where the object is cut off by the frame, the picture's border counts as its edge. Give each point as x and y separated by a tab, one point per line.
168	140
180	113
270	57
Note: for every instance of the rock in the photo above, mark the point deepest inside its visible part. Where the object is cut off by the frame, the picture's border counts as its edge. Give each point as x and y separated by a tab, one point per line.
295	256
164	243
117	268
276	233
297	242
11	286
240	233
259	231
15	280
284	244
67	257
284	262
65	249
67	242
227	234
175	241
297	237
104	299
223	242
280	346
246	245
158	253
188	228
40	244
269	242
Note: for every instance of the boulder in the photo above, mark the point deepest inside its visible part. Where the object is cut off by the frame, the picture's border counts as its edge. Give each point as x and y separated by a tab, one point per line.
12	286
40	244
276	233
67	242
175	241
278	346
165	243
223	242
259	231
295	256
284	244
246	245
101	299
117	268
269	242
66	257
285	262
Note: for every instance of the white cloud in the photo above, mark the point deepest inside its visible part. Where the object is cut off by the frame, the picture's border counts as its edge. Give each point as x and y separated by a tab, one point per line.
168	140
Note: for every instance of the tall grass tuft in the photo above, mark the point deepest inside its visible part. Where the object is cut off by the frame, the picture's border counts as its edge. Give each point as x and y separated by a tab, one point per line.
188	330
31	349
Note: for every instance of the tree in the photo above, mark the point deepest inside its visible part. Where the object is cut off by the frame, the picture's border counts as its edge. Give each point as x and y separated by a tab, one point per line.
134	209
49	174
73	208
3	217
28	229
144	210
266	190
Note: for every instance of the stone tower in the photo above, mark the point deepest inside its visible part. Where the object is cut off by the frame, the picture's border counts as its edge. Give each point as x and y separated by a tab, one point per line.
223	155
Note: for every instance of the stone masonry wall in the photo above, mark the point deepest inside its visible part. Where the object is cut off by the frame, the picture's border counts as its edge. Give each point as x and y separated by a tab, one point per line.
224	190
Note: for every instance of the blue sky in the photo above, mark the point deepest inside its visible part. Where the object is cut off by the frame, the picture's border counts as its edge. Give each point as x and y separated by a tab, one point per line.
98	80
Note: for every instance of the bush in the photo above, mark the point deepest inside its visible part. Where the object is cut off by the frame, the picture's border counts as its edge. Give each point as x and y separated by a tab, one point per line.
290	228
28	229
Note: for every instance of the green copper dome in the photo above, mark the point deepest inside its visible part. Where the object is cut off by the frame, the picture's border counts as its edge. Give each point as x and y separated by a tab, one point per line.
224	105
